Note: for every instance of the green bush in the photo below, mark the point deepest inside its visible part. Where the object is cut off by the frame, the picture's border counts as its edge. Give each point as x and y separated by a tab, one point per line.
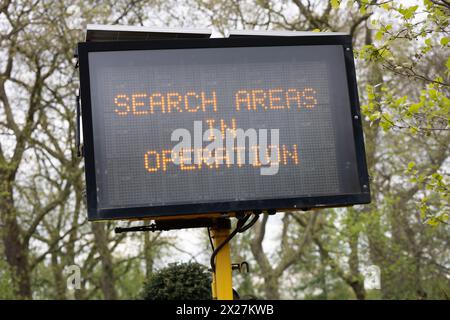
179	281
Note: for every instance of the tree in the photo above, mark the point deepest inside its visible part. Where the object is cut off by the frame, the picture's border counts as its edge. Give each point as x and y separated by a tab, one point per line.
403	75
42	200
403	67
179	281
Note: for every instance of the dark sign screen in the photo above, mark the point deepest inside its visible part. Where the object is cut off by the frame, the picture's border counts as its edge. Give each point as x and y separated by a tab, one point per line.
141	99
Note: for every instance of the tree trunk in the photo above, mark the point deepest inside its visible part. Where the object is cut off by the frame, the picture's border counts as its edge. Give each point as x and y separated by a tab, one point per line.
358	289
271	287
148	253
58	278
377	247
323	276
16	251
357	280
268	273
107	278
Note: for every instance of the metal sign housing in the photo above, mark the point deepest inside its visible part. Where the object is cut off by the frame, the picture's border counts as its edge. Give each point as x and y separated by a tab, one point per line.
135	94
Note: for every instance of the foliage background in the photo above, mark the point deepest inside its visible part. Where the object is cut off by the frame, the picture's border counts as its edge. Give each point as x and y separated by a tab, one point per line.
178	281
402	51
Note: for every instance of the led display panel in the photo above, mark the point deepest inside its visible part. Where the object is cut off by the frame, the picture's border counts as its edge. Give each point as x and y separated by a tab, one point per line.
179	127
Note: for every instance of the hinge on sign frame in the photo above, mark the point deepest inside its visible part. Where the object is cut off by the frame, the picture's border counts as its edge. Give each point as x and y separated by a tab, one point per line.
75	55
78	127
78	111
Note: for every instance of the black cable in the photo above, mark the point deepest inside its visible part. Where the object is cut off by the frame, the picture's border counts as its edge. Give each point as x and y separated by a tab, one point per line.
210	239
224	242
78	125
240	227
250	224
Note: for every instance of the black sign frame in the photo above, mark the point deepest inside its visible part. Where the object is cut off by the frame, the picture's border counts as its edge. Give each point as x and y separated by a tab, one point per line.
95	213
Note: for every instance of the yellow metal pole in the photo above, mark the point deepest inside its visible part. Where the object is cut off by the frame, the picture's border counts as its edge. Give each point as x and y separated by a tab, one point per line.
222	284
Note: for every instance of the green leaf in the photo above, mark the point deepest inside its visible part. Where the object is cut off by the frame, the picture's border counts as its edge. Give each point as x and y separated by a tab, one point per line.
408	13
444	41
335	4
375	116
433	94
379	35
411	165
439	79
437	176
414	108
386	125
385	53
413	130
